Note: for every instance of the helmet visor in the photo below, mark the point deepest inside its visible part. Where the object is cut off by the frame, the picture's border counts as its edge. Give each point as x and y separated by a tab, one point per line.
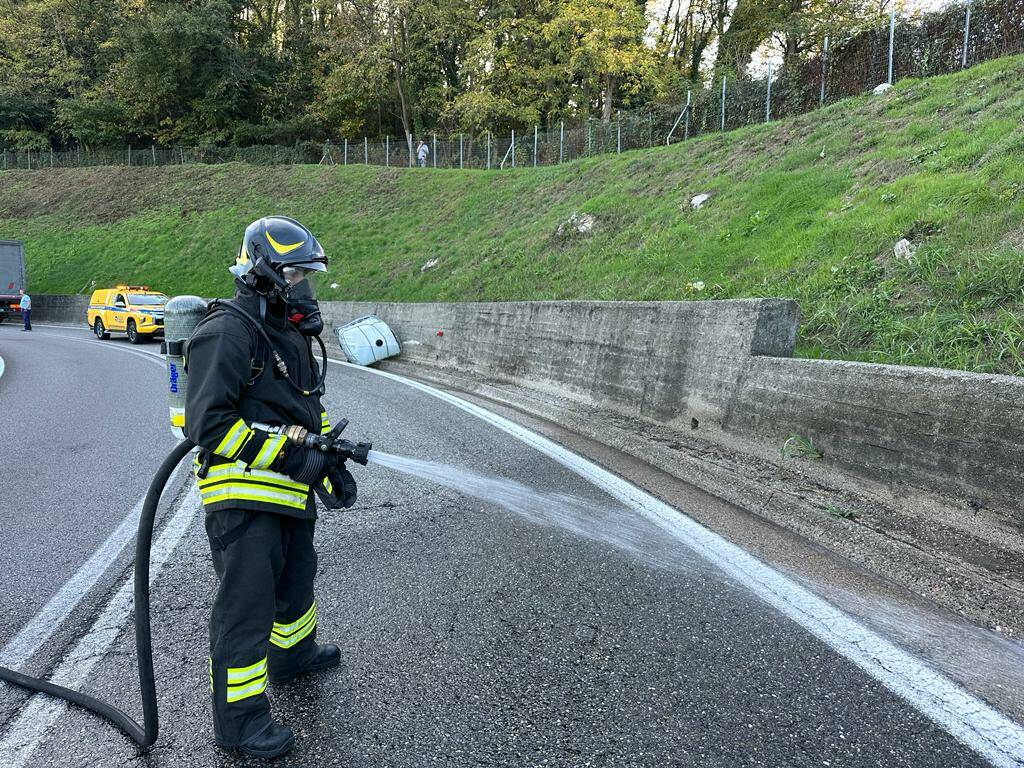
301	282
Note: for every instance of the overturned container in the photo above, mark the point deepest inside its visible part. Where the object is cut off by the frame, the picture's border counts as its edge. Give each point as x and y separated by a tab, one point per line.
367	340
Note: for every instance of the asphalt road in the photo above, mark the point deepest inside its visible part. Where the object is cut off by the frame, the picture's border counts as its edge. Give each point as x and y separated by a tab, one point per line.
470	636
81	426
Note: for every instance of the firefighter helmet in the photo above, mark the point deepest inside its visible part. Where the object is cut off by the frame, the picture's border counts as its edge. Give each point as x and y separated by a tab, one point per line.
272	248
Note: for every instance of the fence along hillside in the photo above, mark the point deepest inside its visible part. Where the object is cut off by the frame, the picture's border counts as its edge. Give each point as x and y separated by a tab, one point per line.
846	64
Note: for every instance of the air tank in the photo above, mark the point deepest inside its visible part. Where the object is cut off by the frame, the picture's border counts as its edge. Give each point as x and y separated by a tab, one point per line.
181	315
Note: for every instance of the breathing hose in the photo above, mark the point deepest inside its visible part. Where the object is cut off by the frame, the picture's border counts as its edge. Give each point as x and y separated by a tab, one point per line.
145	733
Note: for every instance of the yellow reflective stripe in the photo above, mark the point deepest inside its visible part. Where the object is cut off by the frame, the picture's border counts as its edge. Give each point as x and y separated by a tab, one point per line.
283	248
253	493
244	674
288	642
325	423
211	675
234	440
177	417
327	486
239	692
287	635
271	448
239	471
287	629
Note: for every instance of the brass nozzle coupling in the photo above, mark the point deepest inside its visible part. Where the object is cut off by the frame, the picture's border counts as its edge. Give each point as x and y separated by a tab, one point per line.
296	435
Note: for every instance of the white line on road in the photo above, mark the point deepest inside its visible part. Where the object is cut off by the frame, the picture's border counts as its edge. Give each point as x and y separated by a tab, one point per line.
37	719
50	618
977	725
44	624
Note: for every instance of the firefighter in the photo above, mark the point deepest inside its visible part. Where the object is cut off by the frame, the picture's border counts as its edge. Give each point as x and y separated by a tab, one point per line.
250	362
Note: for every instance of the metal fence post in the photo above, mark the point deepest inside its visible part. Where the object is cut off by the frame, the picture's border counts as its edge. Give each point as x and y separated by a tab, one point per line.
590	136
460	151
723	103
408	143
561	141
967	32
689	104
513	148
892	40
488	150
129	155
152	148
824	73
535	130
182	151
433	148
344	156
366	150
387	151
51	157
618	131
768	98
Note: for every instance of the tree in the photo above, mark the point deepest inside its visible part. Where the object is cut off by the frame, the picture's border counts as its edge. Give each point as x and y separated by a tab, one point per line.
600	45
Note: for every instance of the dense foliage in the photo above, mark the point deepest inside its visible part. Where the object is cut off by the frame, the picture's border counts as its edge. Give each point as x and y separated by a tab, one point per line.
95	73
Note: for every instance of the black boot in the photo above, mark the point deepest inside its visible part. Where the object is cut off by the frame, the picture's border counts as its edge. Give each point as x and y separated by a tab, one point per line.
272	741
326	656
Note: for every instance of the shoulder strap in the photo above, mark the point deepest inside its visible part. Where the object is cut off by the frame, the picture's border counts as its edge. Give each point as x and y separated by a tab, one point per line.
258	363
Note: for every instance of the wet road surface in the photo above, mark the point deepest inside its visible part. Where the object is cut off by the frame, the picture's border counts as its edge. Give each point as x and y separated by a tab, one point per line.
471	637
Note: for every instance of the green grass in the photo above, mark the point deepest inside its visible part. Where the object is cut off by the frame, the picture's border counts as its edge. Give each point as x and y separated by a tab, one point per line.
808	208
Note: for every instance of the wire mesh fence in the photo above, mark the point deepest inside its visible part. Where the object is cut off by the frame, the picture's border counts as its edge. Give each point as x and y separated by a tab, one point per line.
843	65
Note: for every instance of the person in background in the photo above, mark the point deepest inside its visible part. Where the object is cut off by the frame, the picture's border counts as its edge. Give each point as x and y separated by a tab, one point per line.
26	310
422	151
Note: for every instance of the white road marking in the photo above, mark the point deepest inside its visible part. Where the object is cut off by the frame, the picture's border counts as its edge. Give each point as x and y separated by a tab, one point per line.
38	718
40	628
975	724
44	624
3	367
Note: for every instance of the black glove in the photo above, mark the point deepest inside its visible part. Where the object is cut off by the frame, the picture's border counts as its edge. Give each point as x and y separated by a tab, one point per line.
303	465
342	493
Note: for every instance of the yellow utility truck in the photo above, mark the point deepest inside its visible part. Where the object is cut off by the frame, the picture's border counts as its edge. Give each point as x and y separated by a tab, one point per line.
133	309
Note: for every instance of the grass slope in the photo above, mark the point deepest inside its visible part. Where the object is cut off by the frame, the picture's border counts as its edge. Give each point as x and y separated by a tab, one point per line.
808	208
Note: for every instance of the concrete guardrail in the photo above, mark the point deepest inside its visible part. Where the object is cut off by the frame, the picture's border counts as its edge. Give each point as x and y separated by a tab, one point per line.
726	367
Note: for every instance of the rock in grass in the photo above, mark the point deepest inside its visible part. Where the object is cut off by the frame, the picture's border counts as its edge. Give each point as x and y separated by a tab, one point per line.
881	88
904	249
577	224
428	265
698	200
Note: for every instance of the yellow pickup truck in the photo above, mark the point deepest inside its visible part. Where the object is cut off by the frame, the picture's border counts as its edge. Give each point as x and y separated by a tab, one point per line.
134	309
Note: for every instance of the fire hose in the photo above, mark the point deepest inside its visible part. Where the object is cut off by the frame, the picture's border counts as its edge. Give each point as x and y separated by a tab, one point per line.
182	315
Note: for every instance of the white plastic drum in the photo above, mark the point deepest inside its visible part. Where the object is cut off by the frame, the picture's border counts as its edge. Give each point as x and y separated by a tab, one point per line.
367	340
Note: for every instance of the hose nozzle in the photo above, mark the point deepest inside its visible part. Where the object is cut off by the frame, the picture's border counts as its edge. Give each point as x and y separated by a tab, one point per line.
330	443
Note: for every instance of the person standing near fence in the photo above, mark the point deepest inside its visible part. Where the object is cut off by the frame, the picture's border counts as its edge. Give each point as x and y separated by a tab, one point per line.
422	152
26	310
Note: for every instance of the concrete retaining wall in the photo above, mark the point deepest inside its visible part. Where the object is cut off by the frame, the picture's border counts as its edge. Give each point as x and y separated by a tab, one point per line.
60	309
667	361
947	431
724	367
727	366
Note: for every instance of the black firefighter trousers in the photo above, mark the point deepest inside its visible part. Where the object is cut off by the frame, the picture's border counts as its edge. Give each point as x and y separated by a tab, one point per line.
263	623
